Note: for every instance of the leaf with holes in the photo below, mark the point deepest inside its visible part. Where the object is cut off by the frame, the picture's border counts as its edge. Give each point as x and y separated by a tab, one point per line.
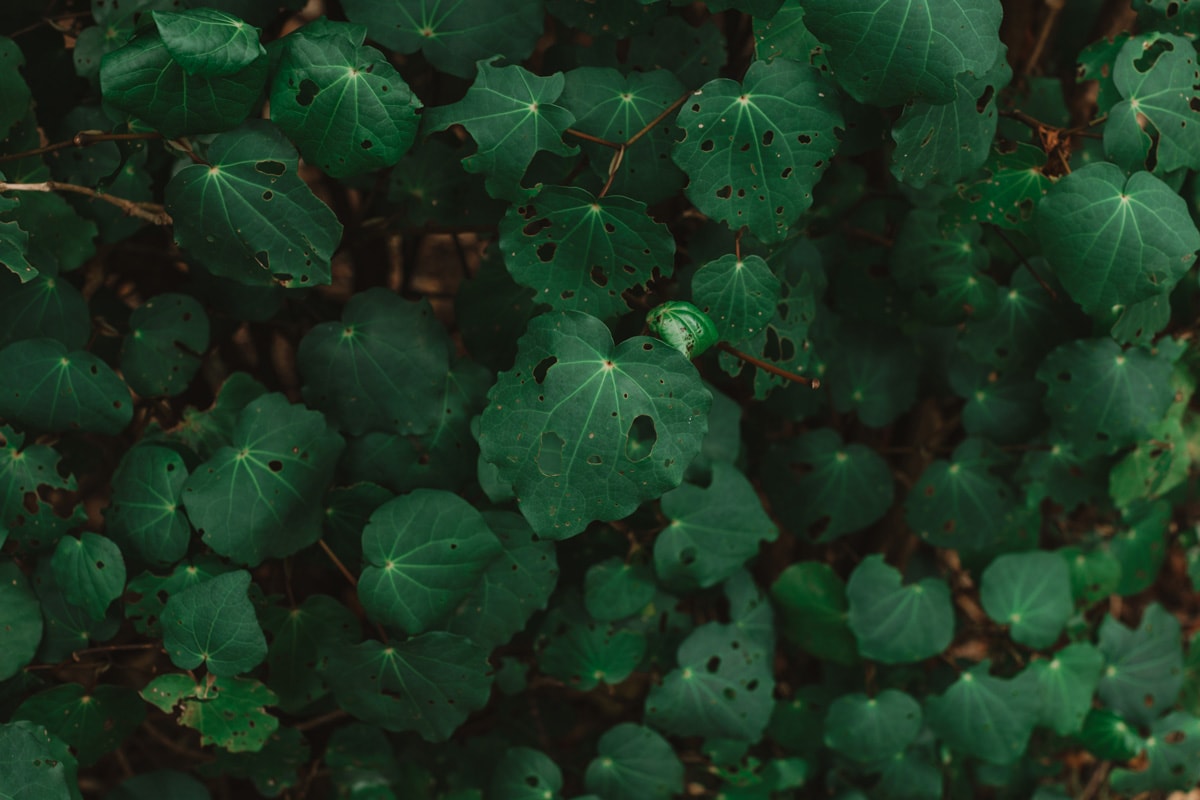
582	652
616	108
634	761
167	339
1176	16
872	729
35	763
894	623
90	571
511	115
946	142
526	774
452	37
23	471
145	514
1010	193
1066	683
425	552
381	368
721	688
1154	126
714	530
208	42
1144	670
260	496
585	430
142	80
214	624
984	716
149	593
20	620
343	104
754	151
1114	240
1172	753
826	488
1030	593
248	216
889	51
92	723
228	712
1103	398
428	683
582	253
51	388
738	294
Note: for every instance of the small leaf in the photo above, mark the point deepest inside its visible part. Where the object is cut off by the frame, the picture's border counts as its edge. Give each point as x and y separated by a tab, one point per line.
739	295
214	624
871	729
145	514
812	602
35	763
683	326
90	571
583	652
1145	666
20	619
614	589
1031	593
426	551
897	624
526	774
1066	684
167	339
983	716
634	761
228	712
49	387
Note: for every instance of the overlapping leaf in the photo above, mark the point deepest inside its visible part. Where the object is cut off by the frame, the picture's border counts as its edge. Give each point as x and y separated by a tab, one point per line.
870	729
634	761
93	722
167	338
214	624
90	571
228	712
894	623
812	602
984	716
1029	592
208	42
51	388
1144	669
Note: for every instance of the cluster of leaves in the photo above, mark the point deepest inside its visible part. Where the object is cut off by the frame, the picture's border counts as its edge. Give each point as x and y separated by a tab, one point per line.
335	459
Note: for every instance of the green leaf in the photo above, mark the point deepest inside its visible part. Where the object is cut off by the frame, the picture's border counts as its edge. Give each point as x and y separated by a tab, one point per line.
298	638
582	253
426	551
1113	240
36	763
343	104
206	432
428	684
614	589
207	42
23	471
143	80
274	769
634	761
1173	758
825	488
889	52
739	294
1145	666
260	496
228	712
1108	736
44	307
510	113
515	585
148	593
722	687
453	37
983	716
683	326
897	624
714	530
582	652
1066	684
1141	548
616	107
145	514
282	233
93	723
1103	398
49	387
20	620
785	34
90	571
944	270
584	430
68	627
695	54
14	250
811	599
14	91
1156	76
1177	16
1031	594
753	151
872	372
961	504
870	729
617	18
946	142
1010	193
167	339
526	774
214	624
382	368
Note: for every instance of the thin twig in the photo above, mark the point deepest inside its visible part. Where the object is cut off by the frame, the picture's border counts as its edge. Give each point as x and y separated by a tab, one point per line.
613	166
587	137
49	21
337	562
1025	263
737	244
81	139
766	367
314	722
150	212
654	122
1039	46
1099	776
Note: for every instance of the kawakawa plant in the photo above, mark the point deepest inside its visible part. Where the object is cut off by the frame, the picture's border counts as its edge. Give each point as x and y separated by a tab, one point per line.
338	457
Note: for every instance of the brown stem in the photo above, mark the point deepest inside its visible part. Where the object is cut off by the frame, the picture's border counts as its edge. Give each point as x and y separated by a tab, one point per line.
314	722
150	212
613	166
337	562
587	137
737	243
654	122
81	139
49	21
771	368
1039	46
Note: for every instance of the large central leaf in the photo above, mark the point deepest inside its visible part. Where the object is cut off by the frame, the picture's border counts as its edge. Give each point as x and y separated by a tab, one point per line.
754	150
587	431
886	52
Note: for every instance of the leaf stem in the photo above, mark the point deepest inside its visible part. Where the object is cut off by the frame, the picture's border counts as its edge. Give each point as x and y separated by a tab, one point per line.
337	562
766	367
613	166
654	122
587	137
81	139
150	212
314	722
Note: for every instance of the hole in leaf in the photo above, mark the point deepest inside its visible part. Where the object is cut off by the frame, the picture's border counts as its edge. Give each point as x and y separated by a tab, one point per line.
804	139
272	168
535	227
308	91
713	664
598	277
640	440
767	138
595	460
725	192
545	252
275	465
543	366
1152	54
707	145
550	454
